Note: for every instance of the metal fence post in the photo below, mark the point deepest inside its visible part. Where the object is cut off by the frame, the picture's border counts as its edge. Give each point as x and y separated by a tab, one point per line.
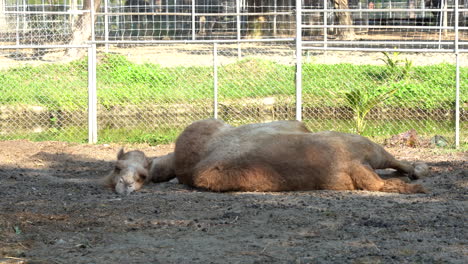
92	14
299	60
215	80
106	25
238	28
194	33
457	79
325	22
457	101
92	95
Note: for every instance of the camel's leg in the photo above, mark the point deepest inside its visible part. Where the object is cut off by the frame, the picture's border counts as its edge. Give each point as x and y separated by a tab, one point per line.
162	168
414	171
364	178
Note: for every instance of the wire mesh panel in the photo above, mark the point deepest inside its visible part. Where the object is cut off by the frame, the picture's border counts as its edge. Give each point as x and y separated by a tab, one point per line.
36	22
383	91
150	93
195	19
41	100
256	82
381	94
366	24
378	68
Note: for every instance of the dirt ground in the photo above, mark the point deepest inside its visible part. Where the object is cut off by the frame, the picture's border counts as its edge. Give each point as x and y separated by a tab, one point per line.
202	55
51	211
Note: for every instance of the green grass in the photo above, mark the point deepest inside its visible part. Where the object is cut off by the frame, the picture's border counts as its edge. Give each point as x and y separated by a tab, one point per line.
377	131
106	135
122	83
139	135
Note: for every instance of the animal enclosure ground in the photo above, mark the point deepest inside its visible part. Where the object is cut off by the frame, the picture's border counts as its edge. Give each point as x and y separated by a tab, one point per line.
51	211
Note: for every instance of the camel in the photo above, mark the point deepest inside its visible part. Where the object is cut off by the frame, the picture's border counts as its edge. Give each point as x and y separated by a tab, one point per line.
130	172
280	156
133	169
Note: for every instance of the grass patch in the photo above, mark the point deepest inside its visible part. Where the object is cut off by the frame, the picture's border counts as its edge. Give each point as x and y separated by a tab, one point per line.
123	83
139	135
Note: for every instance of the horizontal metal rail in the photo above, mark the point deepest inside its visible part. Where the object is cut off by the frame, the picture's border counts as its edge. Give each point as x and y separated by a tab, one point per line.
190	14
330	42
384	10
379	42
69	12
224	41
43	46
80	12
385	49
377	27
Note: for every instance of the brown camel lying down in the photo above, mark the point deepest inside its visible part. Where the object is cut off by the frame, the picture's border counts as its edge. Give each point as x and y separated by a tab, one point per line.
279	156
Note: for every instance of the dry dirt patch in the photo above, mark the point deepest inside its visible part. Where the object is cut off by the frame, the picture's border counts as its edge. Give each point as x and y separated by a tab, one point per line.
52	212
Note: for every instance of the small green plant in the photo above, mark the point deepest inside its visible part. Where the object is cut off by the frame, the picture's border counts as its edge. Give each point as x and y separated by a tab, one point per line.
407	67
362	101
17	230
395	69
392	61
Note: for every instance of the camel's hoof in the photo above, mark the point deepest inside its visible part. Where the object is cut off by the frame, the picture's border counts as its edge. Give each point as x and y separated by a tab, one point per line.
421	170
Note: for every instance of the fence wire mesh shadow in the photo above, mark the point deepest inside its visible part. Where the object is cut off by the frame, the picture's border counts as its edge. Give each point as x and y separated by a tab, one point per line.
367	67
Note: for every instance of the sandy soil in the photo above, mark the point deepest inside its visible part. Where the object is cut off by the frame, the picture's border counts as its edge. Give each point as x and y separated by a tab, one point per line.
202	55
51	211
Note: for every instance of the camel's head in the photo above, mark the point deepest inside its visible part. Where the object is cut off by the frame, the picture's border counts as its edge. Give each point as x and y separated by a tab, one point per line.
130	172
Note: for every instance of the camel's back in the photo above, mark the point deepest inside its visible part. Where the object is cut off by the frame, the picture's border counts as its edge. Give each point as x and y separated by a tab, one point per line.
244	140
191	144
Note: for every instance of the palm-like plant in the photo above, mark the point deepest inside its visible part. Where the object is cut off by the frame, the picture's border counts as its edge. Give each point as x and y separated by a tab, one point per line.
393	65
391	61
362	102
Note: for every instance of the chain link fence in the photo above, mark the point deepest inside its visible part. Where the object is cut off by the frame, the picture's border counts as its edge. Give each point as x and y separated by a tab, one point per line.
38	99
365	67
153	91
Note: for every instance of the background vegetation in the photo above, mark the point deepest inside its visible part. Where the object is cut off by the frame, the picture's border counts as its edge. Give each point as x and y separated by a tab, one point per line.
63	87
123	82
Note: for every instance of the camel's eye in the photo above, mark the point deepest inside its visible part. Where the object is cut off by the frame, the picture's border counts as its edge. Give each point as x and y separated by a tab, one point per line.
117	169
141	177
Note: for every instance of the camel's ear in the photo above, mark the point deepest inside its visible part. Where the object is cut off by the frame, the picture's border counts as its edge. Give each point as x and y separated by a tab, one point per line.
119	164
121	153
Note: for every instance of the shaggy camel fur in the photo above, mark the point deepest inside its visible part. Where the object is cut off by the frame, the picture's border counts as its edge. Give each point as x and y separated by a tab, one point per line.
280	156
